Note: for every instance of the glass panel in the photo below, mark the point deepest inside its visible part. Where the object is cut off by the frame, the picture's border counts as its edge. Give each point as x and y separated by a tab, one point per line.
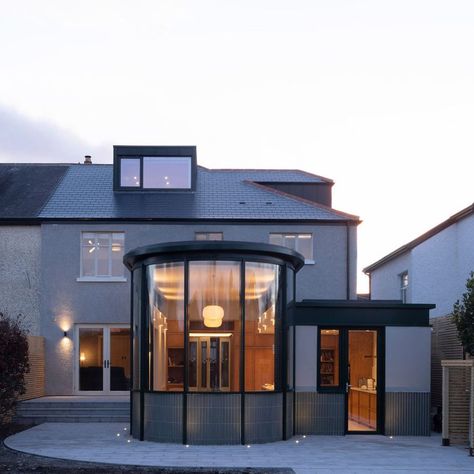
167	172
362	400
290	241
102	256
166	293
329	358
117	266
119	359
204	359
91	359
88	261
305	245
192	364
261	289
225	353
130	172
209	236
276	239
214	315
214	364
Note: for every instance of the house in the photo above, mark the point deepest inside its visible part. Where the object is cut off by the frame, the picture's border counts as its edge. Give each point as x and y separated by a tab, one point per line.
223	301
434	267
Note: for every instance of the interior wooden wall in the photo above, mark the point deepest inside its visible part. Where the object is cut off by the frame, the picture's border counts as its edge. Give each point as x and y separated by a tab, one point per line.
362	349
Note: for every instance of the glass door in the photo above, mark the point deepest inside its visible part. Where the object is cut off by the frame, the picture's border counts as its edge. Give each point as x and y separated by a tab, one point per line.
102	360
362	379
209	363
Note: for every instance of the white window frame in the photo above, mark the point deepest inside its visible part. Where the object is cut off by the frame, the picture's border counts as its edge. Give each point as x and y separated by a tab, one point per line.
207	236
297	235
101	278
403	287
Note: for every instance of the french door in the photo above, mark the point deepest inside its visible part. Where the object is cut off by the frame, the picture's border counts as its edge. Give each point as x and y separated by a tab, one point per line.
102	359
209	363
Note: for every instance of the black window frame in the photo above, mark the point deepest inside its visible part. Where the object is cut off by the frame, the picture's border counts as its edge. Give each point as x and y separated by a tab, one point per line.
140	152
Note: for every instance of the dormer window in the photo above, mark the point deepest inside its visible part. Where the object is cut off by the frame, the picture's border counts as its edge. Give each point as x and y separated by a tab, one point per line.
166	172
154	168
130	172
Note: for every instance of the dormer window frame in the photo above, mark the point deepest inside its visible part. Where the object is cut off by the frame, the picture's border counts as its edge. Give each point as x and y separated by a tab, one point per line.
141	152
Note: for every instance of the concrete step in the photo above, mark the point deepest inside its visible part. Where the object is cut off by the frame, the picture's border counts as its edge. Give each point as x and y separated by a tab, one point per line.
36	420
38	411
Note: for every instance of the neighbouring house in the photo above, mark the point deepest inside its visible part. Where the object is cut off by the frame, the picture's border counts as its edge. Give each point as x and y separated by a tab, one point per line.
24	190
434	267
223	301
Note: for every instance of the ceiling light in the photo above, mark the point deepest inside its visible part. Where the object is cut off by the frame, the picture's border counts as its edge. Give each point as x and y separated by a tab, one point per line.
213	315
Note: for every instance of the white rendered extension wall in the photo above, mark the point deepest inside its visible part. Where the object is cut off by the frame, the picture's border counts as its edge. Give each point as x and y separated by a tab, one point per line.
438	269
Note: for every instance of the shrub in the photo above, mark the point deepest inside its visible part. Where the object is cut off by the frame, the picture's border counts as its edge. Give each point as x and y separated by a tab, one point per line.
463	316
13	363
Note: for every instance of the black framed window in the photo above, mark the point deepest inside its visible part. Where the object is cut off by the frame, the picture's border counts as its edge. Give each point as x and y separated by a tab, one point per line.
329	359
154	169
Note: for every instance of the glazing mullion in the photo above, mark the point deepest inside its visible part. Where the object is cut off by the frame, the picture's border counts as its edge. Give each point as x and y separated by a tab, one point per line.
186	352
242	352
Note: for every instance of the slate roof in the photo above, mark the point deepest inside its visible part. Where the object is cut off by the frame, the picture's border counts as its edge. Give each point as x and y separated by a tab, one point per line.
455	218
86	192
25	188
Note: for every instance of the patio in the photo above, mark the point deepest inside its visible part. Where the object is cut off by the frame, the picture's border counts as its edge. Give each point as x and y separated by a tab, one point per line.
111	443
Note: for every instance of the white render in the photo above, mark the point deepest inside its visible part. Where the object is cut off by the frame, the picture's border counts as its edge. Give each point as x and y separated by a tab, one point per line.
306	353
408	361
437	268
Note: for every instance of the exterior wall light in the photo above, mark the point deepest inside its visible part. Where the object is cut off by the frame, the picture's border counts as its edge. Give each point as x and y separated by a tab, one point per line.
213	316
65	334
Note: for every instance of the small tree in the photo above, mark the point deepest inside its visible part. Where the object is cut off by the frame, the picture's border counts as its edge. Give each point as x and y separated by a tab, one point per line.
13	363
463	316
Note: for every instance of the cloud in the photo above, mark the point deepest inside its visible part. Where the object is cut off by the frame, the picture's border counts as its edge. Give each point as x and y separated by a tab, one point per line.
26	140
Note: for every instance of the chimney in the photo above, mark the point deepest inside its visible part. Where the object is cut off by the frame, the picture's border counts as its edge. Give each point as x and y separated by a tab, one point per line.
87	160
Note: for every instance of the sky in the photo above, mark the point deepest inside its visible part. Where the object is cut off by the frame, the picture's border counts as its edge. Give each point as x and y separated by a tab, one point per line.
376	95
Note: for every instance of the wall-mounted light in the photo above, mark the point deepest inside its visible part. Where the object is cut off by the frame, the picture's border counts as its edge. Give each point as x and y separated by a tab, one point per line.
65	333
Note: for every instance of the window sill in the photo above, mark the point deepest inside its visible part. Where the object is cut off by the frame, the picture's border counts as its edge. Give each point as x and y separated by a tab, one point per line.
102	279
309	262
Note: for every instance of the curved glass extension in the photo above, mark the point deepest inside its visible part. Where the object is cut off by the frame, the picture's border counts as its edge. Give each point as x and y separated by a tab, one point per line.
212	345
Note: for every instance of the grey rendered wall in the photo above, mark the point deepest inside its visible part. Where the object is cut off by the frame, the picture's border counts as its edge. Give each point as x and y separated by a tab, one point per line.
306	358
20	248
66	302
438	269
441	266
407	381
385	281
408	359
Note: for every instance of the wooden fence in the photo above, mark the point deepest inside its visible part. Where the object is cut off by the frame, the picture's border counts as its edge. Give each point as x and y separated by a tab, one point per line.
458	402
34	380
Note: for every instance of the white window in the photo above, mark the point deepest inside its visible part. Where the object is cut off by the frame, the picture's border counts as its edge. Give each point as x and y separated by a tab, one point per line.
209	236
302	243
101	255
403	286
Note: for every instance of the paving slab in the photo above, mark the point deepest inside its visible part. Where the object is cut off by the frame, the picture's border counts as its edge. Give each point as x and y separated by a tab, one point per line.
111	443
